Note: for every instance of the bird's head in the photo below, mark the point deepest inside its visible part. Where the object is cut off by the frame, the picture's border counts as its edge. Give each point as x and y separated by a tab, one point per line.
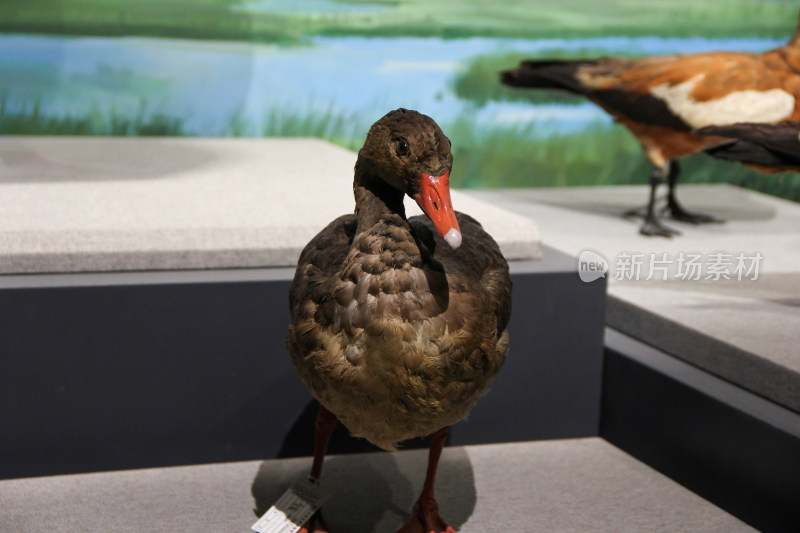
409	152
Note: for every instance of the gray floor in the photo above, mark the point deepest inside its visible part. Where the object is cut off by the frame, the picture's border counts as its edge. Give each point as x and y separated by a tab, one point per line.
574	485
743	331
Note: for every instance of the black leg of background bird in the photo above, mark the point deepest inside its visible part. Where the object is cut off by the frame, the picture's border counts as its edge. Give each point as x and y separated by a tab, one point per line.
676	210
651	225
326	423
425	517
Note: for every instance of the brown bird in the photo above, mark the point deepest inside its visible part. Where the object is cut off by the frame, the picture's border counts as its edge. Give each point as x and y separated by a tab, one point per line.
398	325
767	148
662	99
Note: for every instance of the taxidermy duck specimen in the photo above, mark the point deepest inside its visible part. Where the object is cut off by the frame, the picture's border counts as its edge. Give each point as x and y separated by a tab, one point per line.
662	99
768	148
398	325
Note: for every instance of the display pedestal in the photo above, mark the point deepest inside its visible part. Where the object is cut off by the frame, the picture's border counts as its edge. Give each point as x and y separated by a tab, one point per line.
701	377
744	331
144	306
129	370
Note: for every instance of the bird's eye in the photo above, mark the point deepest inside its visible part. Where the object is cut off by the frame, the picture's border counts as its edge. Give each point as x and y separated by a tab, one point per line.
402	148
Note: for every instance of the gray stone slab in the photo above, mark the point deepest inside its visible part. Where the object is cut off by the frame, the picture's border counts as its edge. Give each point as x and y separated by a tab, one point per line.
573	219
732	447
744	331
107	204
559	486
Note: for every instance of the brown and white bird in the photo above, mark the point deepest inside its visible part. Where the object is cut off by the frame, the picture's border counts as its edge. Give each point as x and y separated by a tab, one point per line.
661	99
398	325
768	148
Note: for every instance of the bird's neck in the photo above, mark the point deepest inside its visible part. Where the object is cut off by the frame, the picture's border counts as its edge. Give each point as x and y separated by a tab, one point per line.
383	238
376	201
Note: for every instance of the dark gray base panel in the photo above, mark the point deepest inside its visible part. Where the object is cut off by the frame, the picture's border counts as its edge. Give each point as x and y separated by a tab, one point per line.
117	376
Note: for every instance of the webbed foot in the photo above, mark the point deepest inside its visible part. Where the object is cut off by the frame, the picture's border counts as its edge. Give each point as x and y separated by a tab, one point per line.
426	519
653	227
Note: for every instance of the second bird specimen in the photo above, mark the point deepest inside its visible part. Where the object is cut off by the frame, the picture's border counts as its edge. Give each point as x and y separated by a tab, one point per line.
662	99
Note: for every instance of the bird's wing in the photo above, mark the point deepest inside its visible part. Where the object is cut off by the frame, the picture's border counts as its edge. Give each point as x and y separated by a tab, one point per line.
476	265
320	260
770	145
784	138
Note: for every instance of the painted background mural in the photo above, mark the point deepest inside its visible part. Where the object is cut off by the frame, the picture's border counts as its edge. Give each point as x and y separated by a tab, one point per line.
329	68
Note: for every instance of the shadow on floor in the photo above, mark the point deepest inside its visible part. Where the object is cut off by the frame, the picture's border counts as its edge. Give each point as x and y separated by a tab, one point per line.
722	201
299	441
371	492
66	160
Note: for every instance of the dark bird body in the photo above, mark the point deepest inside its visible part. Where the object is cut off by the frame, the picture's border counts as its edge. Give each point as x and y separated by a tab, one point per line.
386	336
396	331
662	99
768	148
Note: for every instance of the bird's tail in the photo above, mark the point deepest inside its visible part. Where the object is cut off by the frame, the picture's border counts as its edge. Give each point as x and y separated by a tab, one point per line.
546	74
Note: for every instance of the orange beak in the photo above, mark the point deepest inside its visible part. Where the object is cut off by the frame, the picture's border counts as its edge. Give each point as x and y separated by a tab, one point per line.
434	200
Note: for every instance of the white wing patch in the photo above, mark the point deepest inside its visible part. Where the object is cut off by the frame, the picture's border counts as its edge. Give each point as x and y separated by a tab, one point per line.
763	107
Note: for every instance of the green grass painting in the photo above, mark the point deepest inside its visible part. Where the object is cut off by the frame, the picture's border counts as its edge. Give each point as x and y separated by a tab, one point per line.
30	120
227	20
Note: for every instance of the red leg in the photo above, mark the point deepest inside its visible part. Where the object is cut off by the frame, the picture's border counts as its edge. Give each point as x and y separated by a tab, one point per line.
326	423
425	517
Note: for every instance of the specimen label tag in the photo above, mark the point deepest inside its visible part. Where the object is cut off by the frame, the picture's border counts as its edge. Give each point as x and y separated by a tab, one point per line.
292	510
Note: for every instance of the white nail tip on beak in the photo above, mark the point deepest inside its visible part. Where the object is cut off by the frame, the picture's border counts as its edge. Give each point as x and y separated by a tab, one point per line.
453	238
